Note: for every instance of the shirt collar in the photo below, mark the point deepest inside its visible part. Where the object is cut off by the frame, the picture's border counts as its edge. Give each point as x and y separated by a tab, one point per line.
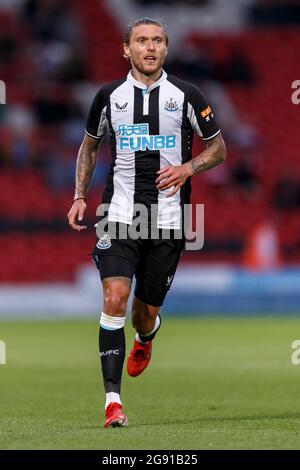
138	84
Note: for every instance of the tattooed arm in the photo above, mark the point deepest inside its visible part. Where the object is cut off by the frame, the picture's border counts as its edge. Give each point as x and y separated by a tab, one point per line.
175	176
86	162
213	155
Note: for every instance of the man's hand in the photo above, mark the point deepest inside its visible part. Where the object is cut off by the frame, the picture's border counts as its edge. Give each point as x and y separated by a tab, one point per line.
76	213
170	176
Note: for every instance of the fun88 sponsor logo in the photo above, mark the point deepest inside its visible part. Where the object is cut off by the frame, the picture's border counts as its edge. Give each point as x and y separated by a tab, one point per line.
136	137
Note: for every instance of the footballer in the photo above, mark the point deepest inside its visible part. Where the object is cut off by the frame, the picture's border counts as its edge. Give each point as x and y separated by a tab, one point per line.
150	117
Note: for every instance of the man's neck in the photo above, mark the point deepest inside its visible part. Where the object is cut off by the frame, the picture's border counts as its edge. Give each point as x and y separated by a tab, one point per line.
147	80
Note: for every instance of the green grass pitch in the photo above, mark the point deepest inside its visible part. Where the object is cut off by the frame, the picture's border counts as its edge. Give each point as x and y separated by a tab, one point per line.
217	383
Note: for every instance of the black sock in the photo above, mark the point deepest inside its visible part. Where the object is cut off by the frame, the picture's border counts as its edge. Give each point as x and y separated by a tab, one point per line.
112	354
152	336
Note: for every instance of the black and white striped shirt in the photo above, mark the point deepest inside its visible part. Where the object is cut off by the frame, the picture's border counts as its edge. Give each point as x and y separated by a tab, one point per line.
149	129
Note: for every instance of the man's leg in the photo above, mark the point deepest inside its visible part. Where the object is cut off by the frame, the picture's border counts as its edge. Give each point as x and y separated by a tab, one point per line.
116	291
116	274
154	277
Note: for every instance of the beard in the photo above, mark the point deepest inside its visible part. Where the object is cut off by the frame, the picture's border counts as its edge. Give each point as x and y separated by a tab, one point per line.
147	71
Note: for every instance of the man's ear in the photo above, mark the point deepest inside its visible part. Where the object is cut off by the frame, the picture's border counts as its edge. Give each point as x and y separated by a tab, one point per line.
126	53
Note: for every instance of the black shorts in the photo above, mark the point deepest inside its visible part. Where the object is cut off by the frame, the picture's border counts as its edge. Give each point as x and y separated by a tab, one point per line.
152	261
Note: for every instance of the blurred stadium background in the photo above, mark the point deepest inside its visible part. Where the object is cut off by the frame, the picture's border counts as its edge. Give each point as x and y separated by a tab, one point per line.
54	55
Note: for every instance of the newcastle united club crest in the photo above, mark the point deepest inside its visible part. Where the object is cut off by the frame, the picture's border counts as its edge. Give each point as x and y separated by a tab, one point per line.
171	105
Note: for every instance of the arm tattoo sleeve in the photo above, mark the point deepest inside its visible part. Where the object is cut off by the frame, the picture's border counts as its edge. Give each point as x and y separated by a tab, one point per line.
86	162
213	155
198	166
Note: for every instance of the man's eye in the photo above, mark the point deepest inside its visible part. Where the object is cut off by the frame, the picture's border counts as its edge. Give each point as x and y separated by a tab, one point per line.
158	40
141	41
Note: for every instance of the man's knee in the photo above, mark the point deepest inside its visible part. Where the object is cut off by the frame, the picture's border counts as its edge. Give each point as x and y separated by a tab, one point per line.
115	297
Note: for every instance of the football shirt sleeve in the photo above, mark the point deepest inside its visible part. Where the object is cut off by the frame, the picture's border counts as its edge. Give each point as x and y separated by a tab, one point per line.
96	124
201	116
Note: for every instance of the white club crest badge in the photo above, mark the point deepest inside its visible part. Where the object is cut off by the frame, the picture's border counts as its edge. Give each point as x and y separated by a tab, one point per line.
104	242
171	105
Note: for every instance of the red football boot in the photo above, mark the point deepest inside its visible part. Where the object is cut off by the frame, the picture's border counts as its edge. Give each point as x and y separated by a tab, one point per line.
139	358
115	416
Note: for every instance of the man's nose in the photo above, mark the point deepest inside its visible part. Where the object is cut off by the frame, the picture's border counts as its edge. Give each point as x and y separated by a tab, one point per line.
151	46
